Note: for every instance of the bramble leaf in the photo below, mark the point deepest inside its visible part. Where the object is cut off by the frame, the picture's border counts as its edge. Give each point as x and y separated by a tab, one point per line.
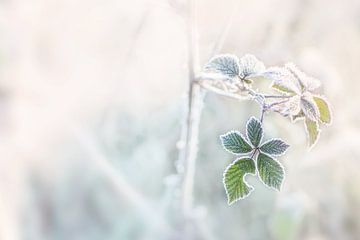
312	129
235	143
324	110
309	108
226	64
254	131
307	83
274	147
283	80
270	171
250	65
234	183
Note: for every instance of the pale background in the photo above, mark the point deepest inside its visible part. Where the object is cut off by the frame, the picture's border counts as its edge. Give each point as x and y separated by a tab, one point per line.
91	101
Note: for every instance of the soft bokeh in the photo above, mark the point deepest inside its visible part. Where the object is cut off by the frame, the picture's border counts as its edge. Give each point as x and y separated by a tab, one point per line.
92	95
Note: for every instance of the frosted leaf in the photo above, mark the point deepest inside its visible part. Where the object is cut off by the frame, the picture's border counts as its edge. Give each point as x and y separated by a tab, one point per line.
235	143
271	172
306	83
312	130
323	108
254	131
293	105
309	108
274	147
283	80
250	65
234	183
225	64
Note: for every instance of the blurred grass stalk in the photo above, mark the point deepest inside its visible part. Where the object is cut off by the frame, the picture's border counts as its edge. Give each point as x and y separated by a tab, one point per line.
195	97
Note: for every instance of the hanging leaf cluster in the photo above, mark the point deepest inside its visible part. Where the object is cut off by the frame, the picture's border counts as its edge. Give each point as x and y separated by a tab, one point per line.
257	157
297	99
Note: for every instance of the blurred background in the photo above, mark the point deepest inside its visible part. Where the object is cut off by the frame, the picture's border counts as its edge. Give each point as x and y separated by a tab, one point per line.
92	96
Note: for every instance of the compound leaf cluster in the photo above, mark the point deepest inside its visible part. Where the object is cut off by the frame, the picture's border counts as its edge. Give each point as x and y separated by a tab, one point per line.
260	160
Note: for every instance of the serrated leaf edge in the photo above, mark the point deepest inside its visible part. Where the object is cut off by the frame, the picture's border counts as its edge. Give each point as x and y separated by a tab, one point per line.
277	155
251	188
223	55
246	131
245	139
282	182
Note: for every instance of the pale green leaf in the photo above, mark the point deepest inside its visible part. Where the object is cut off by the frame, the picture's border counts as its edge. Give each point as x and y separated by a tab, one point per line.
234	142
254	131
274	147
225	64
282	88
324	109
312	129
270	171
234	183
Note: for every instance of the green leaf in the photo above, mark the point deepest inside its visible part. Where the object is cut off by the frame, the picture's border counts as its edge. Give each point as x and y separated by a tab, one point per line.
324	110
234	183
234	142
254	131
312	130
274	147
226	64
270	171
250	65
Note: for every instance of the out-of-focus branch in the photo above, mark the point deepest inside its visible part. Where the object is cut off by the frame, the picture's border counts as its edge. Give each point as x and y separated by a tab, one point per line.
123	188
194	108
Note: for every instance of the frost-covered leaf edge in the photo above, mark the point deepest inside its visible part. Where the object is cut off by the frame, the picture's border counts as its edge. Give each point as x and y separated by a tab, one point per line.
281	166
241	135
274	154
251	188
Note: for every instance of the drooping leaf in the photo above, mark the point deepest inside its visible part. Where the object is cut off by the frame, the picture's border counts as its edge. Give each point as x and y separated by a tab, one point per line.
226	64
312	130
234	183
270	171
254	131
234	142
324	110
250	65
274	147
309	108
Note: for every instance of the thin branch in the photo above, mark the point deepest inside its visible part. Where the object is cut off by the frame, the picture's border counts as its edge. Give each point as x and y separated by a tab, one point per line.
276	96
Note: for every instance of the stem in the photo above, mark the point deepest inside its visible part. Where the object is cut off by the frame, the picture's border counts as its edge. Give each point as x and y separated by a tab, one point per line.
263	109
276	96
